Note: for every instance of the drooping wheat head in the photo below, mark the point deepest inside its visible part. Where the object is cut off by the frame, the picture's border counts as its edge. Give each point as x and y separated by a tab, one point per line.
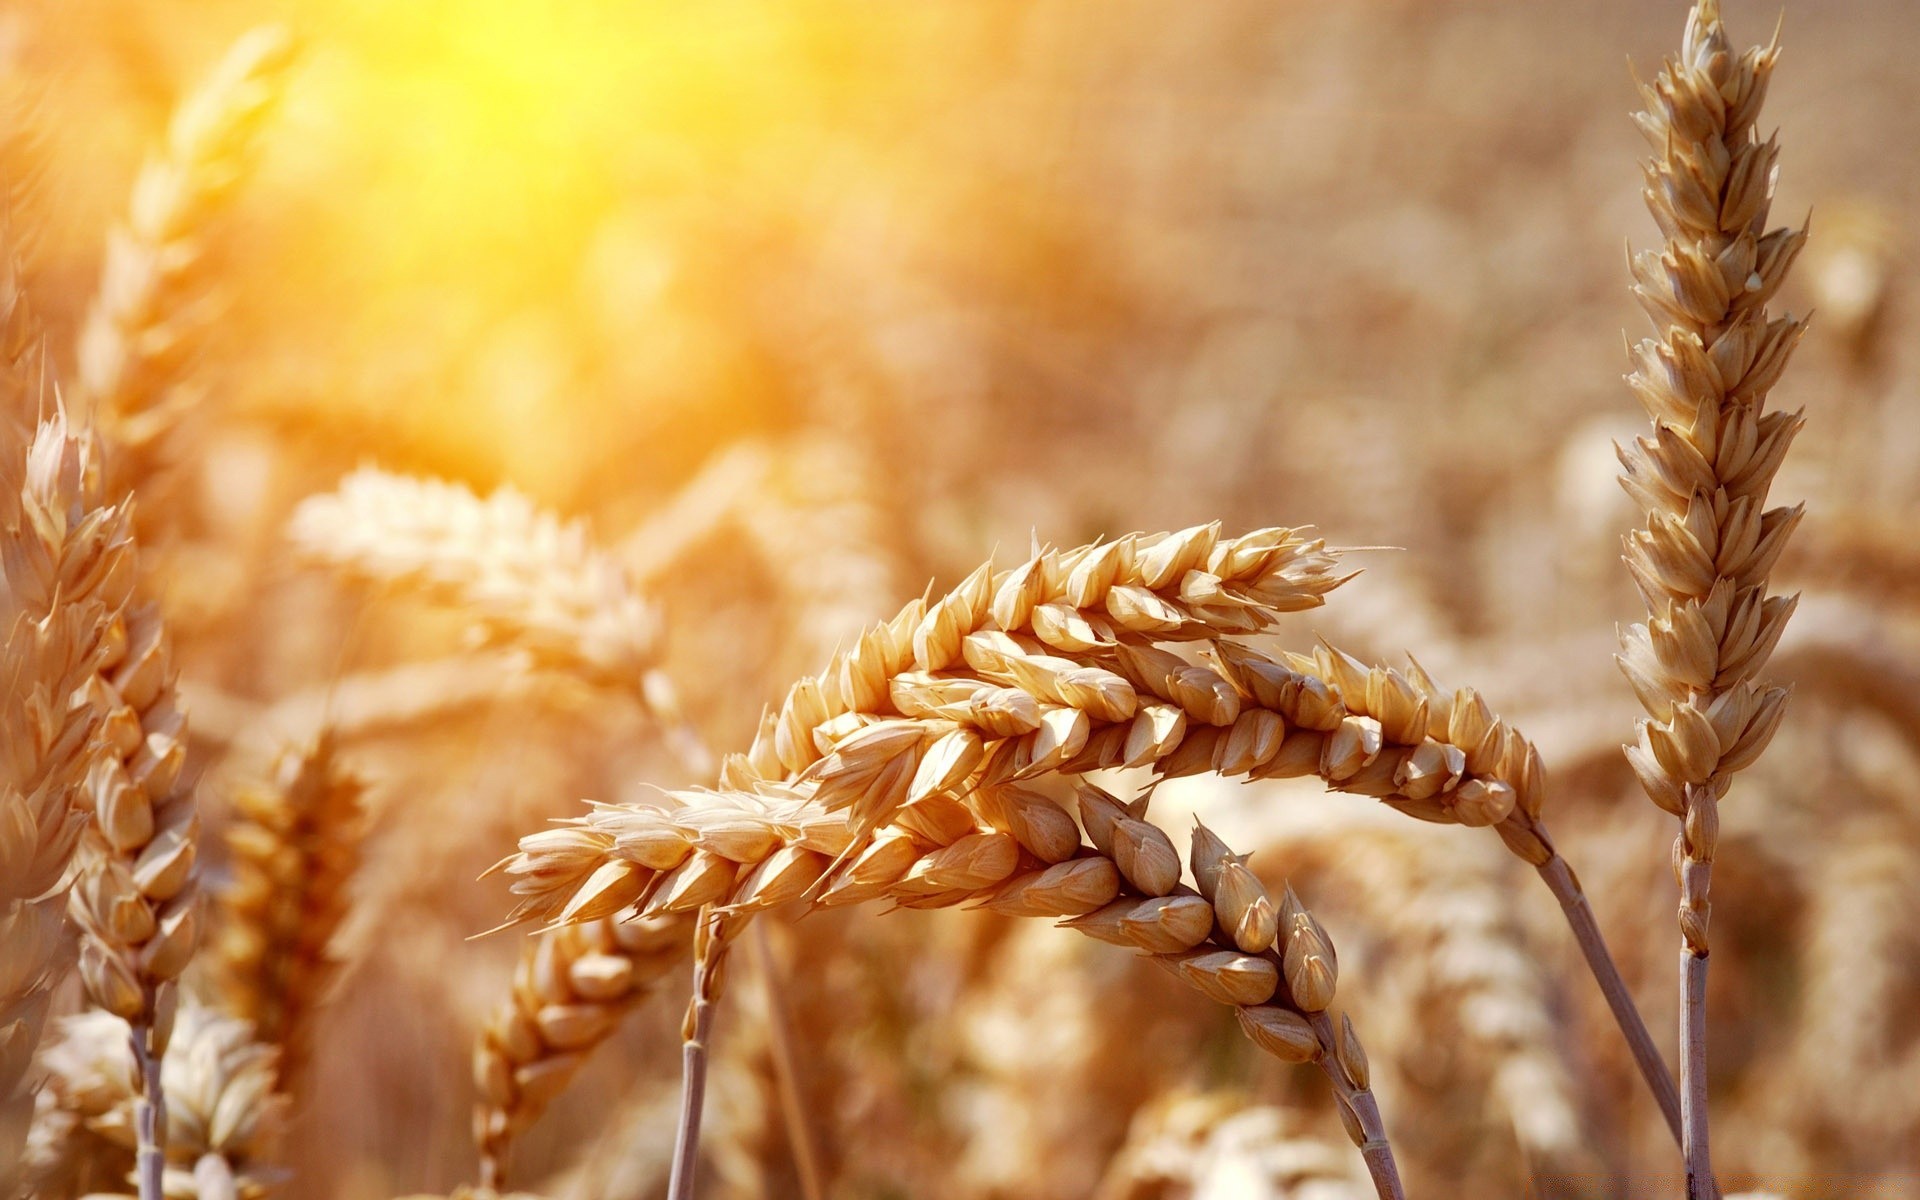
224	1110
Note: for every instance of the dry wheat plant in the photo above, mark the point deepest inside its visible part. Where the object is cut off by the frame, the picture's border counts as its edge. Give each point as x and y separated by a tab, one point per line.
466	411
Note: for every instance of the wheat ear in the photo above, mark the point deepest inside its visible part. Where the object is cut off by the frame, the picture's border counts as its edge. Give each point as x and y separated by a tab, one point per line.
532	581
225	1112
1009	849
569	993
295	844
135	899
1157	585
149	317
66	572
1224	1144
1703	557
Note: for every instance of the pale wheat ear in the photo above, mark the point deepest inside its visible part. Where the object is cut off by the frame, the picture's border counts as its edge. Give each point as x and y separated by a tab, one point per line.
532	582
1703	557
295	847
67	576
136	895
149	316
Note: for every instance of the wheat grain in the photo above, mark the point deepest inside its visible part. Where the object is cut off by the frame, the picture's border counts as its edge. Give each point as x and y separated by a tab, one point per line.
295	845
1708	545
150	314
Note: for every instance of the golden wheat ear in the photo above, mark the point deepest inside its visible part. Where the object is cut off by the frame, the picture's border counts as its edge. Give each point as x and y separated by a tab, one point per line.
149	318
294	844
67	577
1708	543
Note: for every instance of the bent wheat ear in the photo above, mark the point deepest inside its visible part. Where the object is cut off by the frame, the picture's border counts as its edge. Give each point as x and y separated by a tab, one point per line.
149	317
1703	557
1276	565
295	845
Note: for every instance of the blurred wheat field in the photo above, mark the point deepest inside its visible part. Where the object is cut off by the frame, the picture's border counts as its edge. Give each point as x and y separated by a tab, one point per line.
509	405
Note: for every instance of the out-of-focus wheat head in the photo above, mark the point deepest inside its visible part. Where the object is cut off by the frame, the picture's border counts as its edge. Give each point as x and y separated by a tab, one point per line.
68	572
570	990
224	1110
1225	1146
153	308
530	581
295	844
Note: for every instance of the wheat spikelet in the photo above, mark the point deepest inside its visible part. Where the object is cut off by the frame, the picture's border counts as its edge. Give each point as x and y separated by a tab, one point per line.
67	567
149	316
570	990
295	844
224	1112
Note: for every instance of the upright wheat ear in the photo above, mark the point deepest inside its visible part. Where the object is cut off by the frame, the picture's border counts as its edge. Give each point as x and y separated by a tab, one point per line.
149	317
295	842
1703	557
67	572
225	1113
136	895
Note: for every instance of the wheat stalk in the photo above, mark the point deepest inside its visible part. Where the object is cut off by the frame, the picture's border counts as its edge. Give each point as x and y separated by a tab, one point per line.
150	313
531	581
295	845
1702	559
